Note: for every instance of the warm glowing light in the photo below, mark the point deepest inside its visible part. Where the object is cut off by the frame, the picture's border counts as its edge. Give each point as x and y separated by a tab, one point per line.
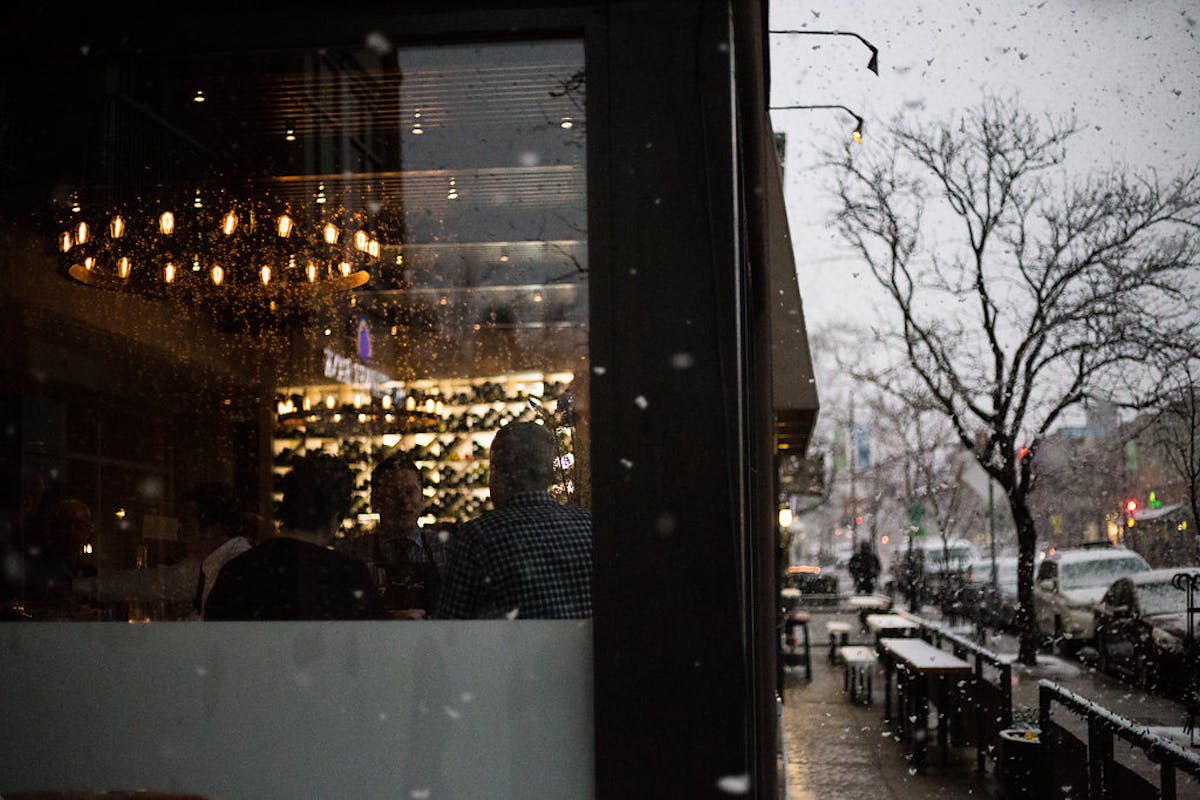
311	272
331	233
89	262
857	135
410	403
386	401
537	297
429	406
218	274
283	226
785	517
169	272
229	223
290	135
1131	505
87	548
330	401
166	223
64	241
344	268
884	539
123	267
504	258
359	402
198	97
373	248
120	513
116	227
307	404
265	274
361	240
362	417
567	123
82	233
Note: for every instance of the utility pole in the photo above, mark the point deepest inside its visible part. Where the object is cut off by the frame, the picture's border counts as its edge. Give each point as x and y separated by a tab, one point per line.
853	441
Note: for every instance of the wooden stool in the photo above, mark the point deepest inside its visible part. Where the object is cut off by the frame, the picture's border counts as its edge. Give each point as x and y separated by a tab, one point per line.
859	664
794	620
839	636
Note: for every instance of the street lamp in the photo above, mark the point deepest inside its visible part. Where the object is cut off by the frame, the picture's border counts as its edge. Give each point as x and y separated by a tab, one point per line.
872	65
857	133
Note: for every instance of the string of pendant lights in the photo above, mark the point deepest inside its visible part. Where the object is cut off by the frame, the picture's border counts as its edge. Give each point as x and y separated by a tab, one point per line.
225	245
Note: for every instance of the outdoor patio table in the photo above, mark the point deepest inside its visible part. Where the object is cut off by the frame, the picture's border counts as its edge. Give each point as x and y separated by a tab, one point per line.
890	625
920	661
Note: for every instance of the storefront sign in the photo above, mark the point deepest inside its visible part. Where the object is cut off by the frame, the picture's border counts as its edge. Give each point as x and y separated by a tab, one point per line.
346	370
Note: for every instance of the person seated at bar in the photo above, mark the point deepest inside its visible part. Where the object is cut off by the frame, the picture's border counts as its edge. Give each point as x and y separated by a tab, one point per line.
406	559
531	557
295	575
211	533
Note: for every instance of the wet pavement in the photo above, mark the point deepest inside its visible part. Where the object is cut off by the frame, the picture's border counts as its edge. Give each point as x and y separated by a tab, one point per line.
835	749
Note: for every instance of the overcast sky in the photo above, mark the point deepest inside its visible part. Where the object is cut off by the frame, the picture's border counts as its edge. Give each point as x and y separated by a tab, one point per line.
1129	70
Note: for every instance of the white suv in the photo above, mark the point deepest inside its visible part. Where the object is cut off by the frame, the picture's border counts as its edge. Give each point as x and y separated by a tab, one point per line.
1069	585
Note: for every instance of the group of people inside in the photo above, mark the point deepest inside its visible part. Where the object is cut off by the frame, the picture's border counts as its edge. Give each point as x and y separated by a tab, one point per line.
529	557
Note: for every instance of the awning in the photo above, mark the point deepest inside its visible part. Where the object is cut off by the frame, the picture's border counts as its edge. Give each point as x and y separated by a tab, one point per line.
1163	512
794	386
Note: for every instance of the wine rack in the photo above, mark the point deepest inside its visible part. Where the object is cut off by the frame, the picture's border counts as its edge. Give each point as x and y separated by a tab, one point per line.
447	430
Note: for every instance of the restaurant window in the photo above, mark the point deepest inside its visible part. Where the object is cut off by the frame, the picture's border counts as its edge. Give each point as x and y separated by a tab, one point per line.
215	262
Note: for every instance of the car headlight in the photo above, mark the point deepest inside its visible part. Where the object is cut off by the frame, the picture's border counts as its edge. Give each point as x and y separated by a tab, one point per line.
1166	642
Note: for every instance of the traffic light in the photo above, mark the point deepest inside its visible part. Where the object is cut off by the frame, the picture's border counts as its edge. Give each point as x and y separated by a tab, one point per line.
1131	506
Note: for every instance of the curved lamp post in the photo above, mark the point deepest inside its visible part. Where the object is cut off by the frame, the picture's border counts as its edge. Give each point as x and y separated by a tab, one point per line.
872	65
857	133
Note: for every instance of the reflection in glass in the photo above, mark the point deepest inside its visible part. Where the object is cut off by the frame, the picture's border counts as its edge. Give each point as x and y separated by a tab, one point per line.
406	271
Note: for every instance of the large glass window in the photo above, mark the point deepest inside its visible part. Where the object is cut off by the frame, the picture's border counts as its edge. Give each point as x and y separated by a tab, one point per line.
217	262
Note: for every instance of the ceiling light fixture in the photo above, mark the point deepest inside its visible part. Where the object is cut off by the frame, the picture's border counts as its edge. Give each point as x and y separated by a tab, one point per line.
233	245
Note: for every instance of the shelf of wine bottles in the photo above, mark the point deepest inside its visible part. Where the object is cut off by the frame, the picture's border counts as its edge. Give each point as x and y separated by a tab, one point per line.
449	443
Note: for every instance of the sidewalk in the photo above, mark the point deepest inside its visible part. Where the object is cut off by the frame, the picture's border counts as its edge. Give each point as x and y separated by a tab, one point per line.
835	750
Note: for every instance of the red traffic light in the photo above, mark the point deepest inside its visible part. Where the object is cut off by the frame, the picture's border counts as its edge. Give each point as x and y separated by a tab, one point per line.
1131	506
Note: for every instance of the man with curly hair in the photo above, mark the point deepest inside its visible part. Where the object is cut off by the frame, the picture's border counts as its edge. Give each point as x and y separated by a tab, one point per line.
295	575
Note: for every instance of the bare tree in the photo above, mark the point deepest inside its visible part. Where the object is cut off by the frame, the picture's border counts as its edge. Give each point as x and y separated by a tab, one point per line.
925	458
1019	290
1176	433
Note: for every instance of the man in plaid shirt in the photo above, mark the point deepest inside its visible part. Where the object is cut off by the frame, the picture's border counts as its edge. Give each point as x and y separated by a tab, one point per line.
530	558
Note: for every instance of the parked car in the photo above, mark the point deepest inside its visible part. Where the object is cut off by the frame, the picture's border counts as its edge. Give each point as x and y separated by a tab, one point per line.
996	604
1141	629
1069	585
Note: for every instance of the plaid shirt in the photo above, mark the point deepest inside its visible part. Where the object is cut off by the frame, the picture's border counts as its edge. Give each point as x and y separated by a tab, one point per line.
531	559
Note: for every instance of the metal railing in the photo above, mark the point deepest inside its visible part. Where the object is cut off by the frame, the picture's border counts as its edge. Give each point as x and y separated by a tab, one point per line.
1190	583
1103	726
984	692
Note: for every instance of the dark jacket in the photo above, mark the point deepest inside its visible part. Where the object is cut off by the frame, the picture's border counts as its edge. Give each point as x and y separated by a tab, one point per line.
288	579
